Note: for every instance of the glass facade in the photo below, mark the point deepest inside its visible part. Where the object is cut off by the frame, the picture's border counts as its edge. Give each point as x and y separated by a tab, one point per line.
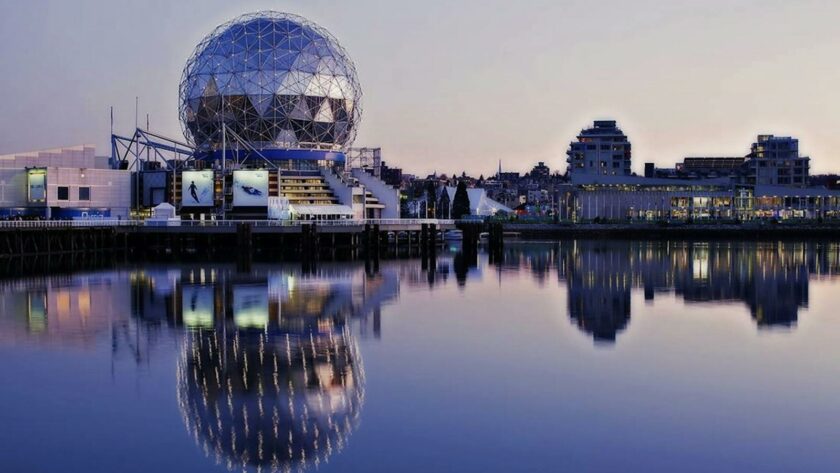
274	79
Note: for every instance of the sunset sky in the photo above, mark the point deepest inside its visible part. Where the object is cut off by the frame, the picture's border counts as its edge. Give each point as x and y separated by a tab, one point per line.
453	85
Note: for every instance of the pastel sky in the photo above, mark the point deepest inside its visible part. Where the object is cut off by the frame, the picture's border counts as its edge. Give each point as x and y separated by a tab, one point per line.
452	85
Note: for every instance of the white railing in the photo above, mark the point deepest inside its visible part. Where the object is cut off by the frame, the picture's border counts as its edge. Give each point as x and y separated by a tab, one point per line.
107	223
69	223
295	223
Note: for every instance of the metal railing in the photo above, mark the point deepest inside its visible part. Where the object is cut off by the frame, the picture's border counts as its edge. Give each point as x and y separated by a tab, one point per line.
99	223
109	223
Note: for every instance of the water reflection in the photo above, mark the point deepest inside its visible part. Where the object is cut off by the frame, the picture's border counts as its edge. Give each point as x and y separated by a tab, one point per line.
274	400
269	374
771	278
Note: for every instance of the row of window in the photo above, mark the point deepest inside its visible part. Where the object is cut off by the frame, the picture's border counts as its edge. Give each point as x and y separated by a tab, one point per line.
64	193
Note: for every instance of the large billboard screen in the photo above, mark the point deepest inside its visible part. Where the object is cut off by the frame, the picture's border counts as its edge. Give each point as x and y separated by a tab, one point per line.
197	189
197	309
37	185
250	188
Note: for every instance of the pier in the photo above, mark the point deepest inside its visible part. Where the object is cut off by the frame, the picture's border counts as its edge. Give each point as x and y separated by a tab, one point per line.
297	239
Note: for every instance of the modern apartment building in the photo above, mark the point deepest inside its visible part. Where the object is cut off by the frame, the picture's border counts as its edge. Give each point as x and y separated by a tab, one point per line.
775	161
601	150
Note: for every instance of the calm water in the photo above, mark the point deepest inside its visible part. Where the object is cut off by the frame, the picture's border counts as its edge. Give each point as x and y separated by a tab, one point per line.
570	356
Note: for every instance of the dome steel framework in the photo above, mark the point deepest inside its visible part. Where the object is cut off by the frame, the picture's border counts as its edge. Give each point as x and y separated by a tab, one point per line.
276	80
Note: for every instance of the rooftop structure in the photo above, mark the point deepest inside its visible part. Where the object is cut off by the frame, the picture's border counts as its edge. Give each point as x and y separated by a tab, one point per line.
81	156
703	164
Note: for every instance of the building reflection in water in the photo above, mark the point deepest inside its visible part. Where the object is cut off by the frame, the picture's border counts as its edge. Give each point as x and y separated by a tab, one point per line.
270	376
66	311
272	399
771	278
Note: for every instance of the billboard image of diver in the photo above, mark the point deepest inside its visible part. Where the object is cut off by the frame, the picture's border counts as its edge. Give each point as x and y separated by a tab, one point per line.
197	189
250	188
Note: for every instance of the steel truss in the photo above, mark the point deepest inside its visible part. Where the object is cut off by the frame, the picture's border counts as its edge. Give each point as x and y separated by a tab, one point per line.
146	147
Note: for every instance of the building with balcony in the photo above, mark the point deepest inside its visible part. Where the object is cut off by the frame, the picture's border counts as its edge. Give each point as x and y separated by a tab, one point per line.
775	161
602	150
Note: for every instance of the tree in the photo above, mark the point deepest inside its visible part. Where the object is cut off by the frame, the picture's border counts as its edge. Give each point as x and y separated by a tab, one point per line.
461	201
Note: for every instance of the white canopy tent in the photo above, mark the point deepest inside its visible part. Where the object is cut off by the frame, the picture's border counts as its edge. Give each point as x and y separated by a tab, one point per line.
480	204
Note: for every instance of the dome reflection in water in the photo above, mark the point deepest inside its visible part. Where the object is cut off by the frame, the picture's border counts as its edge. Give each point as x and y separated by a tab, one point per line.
278	385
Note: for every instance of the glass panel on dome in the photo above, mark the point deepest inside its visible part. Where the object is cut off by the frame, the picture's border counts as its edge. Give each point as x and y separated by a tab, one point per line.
301	110
324	132
314	104
251	82
333	90
314	87
284	104
210	89
324	113
294	83
261	103
327	66
344	85
307	63
284	59
338	111
223	82
286	137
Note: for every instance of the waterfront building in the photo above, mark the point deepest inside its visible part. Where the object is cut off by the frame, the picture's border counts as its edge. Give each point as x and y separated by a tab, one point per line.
622	198
63	183
270	106
601	150
783	202
775	161
627	198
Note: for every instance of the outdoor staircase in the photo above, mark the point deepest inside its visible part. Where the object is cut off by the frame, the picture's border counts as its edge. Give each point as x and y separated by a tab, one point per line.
306	187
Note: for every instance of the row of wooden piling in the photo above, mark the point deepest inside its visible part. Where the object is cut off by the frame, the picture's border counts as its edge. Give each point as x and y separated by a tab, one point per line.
309	244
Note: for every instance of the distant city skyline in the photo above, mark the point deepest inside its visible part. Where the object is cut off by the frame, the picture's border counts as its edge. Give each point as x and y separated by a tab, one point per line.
452	87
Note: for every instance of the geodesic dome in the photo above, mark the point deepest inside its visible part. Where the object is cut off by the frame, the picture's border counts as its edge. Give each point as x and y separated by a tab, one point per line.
275	79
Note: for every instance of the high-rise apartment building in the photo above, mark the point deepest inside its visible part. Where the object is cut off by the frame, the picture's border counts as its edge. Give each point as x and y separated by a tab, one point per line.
775	160
600	150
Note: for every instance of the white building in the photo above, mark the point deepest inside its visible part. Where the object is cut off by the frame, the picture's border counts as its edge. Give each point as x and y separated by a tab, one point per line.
63	183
